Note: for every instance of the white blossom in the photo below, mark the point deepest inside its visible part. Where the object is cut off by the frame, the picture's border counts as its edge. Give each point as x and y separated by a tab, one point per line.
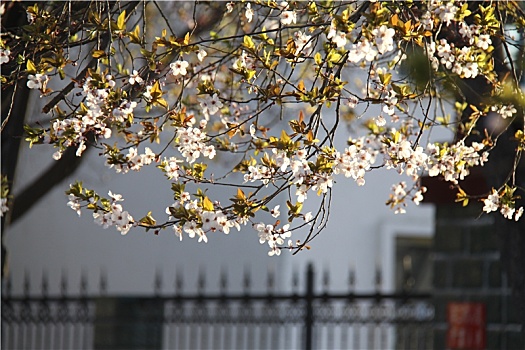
201	54
491	202
384	38
4	54
179	68
135	78
3	206
37	81
288	17
249	12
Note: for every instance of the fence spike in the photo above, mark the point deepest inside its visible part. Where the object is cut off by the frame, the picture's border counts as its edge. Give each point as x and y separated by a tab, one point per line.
270	281
179	281
295	280
103	282
83	283
63	284
157	284
201	282
45	284
351	278
247	282
223	282
378	278
326	279
27	284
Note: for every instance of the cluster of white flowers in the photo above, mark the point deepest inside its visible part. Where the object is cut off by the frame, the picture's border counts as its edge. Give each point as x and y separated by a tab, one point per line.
427	21
493	203
125	110
302	175
303	45
210	105
192	143
465	65
136	161
205	221
336	36
362	50
117	217
171	167
504	111
135	78
273	236
418	195
446	12
384	38
445	53
355	161
390	102
383	42
463	60
93	118
133	160
454	162
259	172
397	197
74	203
402	156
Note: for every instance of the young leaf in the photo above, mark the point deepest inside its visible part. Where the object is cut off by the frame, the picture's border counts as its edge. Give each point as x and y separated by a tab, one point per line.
207	204
121	21
248	42
31	68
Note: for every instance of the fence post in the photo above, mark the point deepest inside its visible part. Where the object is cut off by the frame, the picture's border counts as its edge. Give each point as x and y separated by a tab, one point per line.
309	315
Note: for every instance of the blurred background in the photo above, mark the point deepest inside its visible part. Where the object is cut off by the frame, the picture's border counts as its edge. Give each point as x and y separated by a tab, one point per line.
372	279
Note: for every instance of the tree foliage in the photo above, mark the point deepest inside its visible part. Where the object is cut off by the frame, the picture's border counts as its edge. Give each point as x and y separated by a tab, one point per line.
267	86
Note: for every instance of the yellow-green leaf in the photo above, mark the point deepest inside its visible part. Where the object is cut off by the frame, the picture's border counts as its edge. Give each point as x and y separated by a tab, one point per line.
248	42
121	21
135	35
162	102
98	54
31	68
318	59
284	137
240	194
148	220
156	91
207	204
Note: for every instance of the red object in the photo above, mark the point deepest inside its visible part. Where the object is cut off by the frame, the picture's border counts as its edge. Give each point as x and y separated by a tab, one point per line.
466	326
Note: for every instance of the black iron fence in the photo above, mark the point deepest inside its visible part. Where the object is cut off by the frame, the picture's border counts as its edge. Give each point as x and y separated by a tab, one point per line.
296	320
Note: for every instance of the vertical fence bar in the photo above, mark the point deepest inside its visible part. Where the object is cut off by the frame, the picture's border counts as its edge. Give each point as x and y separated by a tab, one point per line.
309	314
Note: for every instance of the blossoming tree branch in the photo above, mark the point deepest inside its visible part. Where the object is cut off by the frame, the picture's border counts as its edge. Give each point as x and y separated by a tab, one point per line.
267	86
